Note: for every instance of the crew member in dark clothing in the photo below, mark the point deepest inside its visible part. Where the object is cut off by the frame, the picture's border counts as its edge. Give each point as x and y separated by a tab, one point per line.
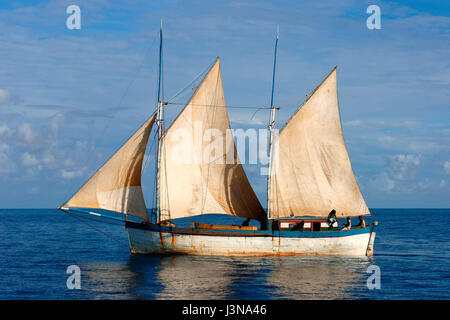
362	223
348	225
331	218
298	226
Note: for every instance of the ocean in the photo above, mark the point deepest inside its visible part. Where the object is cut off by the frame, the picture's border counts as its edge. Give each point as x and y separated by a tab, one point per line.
37	246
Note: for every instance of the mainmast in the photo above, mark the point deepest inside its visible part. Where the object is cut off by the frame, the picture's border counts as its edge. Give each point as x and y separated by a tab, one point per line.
160	123
271	128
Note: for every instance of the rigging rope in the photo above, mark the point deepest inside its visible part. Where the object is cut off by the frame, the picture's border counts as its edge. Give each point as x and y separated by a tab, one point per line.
190	83
144	166
98	230
217	106
124	94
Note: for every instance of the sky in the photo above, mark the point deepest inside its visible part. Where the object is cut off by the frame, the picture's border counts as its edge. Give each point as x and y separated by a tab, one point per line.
70	98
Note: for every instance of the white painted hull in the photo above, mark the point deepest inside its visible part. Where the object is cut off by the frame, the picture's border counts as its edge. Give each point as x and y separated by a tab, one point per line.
154	242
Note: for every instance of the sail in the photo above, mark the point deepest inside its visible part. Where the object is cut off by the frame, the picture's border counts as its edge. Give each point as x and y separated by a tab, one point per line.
311	171
116	186
200	172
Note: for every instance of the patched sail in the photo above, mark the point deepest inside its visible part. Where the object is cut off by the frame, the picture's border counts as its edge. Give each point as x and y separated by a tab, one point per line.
116	186
311	171
200	172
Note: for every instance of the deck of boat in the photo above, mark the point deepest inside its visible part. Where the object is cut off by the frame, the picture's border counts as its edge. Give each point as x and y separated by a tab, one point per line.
246	231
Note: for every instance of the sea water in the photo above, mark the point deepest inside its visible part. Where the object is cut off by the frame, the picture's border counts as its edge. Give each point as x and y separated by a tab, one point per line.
37	246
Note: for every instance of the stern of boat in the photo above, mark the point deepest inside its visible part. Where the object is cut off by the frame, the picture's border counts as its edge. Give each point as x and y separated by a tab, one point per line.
369	251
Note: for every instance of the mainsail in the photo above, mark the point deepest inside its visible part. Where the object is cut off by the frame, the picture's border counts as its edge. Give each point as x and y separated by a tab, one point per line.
311	171
200	172
116	186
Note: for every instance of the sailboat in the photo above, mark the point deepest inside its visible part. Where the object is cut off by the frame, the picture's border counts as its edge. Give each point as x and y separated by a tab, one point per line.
310	174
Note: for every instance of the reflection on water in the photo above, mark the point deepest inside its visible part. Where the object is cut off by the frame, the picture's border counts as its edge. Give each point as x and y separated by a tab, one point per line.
197	277
109	281
39	245
193	277
304	277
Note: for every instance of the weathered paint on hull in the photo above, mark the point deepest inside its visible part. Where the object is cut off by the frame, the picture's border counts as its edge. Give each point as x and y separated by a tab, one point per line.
155	242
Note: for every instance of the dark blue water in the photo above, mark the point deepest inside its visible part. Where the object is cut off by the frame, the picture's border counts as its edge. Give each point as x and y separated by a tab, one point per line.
36	246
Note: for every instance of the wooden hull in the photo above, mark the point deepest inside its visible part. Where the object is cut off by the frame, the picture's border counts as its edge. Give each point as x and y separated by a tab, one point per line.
159	240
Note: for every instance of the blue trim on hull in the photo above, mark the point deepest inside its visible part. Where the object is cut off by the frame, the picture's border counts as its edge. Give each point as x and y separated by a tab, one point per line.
246	233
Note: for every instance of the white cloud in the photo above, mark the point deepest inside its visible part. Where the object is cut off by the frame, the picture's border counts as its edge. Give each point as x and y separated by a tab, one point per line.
38	150
383	182
25	133
386	139
422	146
69	163
383	123
400	173
70	174
48	158
34	190
29	160
410	124
5	96
401	166
56	121
421	185
4	130
353	123
447	167
6	165
4	147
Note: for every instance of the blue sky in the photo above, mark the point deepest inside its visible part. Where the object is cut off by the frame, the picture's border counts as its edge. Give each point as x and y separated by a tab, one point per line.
69	98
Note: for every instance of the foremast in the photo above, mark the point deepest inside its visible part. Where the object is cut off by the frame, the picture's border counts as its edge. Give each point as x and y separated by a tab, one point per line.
160	124
271	127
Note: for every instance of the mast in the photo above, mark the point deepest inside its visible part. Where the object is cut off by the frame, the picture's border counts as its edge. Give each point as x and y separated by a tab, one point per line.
271	126
160	123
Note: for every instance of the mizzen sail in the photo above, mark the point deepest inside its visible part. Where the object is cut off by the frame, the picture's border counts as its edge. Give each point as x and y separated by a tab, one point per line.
116	186
311	169
200	169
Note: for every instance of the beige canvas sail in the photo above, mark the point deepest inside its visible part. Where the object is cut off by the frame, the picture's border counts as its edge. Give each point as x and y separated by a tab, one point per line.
200	169
311	170
116	185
